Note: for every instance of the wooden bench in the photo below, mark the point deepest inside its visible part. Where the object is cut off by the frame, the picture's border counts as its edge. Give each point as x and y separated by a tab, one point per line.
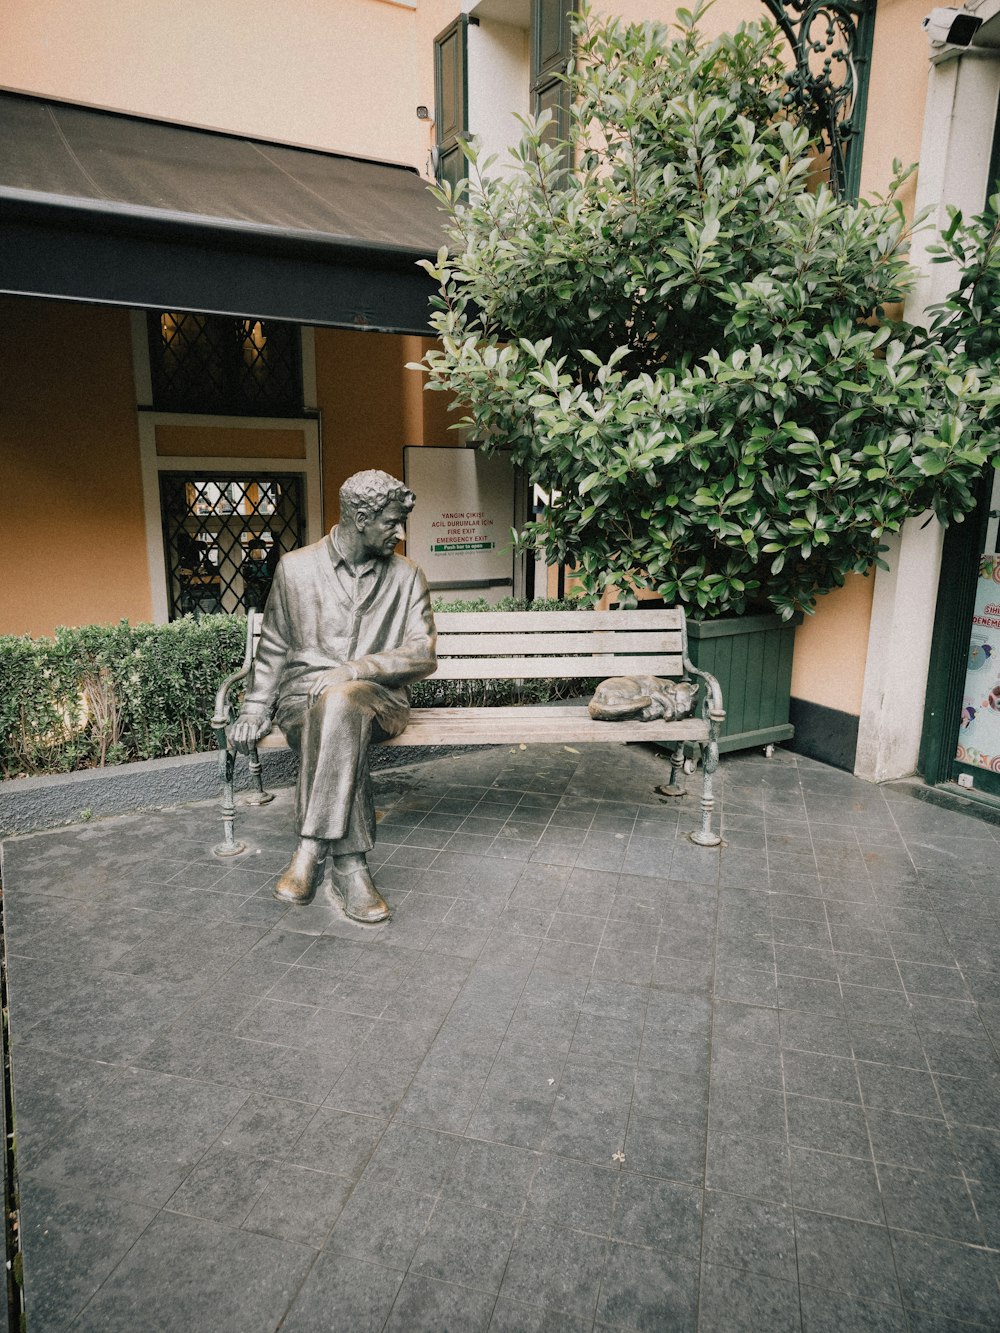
526	645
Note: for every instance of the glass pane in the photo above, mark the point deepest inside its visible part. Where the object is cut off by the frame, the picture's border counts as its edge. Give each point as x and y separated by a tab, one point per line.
214	363
268	370
188	362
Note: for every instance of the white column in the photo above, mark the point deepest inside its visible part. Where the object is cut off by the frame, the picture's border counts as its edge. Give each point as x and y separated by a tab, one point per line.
899	647
954	164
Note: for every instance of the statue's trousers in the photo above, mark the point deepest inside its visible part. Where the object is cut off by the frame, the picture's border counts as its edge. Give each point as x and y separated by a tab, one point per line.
331	739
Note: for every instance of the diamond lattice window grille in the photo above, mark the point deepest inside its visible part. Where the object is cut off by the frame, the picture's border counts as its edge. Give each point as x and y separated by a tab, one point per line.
213	363
223	535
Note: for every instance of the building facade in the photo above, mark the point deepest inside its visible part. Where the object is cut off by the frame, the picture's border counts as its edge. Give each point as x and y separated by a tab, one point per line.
211	299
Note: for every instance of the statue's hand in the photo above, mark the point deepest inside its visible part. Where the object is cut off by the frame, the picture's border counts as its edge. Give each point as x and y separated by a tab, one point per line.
250	727
335	676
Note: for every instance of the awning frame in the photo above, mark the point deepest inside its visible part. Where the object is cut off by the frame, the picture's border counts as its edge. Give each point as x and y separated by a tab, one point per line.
111	252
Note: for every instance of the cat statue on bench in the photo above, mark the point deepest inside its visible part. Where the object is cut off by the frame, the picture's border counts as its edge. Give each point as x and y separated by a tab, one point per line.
644	698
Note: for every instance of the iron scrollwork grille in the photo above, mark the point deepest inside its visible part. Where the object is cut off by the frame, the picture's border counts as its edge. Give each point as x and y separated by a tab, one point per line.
831	41
223	535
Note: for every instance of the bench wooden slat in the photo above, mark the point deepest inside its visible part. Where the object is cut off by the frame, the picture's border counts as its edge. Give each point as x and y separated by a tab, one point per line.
535	726
573	668
599	641
488	622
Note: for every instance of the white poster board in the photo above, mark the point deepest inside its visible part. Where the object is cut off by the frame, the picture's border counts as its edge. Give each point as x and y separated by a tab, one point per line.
979	733
459	530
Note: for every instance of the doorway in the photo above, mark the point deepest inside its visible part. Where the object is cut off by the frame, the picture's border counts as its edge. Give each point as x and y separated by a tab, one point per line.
961	742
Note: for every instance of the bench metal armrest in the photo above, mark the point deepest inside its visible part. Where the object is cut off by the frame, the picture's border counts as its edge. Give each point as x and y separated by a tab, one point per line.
712	707
221	717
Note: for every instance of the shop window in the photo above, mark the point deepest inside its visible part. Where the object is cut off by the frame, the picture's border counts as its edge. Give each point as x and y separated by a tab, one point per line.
225	366
451	99
223	536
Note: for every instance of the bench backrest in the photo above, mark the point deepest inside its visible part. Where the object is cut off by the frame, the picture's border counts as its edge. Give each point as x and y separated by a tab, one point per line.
516	645
524	645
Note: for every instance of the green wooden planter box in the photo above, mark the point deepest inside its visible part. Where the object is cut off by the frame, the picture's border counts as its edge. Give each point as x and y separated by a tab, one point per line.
751	657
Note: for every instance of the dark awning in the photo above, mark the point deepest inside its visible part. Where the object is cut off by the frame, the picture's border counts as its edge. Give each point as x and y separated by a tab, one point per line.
117	210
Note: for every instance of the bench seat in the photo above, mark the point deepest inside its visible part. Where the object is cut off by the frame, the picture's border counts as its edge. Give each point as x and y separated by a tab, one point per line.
535	725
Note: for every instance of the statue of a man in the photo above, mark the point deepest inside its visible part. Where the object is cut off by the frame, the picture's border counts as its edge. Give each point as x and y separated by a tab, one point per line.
347	627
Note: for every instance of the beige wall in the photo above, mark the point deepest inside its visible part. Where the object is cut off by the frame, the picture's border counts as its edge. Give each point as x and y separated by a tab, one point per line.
372	406
830	647
339	75
722	16
72	543
896	95
347	75
189	441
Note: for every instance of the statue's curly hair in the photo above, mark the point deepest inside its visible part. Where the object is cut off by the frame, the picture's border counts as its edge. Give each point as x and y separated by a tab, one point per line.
369	492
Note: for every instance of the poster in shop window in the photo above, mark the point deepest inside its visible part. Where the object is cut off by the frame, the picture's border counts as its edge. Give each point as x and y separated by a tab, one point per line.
979	733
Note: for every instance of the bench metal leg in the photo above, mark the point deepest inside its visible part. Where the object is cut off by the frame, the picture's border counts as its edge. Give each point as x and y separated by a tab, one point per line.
676	786
258	796
228	846
704	836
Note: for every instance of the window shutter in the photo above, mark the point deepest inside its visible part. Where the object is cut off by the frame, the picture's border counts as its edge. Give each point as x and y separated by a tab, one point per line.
551	37
451	111
551	52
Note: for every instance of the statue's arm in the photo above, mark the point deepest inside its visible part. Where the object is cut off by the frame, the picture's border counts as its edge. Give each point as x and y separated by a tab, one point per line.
269	662
416	656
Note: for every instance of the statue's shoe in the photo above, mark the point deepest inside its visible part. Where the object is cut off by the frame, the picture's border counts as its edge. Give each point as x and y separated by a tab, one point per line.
299	879
362	901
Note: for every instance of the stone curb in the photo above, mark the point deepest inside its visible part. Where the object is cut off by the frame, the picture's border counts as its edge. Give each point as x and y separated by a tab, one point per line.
28	805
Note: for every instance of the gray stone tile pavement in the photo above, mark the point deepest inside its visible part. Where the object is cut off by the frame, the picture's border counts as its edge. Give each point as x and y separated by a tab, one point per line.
590	1076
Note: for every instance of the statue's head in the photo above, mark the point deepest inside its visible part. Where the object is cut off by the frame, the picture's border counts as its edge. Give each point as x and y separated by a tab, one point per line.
366	494
373	510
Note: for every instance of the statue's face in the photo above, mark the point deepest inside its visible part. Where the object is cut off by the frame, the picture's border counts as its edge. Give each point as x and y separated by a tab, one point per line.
382	532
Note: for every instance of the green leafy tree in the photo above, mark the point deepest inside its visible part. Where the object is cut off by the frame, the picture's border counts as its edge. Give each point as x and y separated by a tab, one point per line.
683	337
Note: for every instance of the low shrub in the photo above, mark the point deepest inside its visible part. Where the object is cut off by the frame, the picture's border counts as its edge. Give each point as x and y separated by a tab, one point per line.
109	694
112	694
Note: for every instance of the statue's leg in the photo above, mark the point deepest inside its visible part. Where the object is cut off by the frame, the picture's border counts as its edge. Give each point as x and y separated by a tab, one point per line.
333	799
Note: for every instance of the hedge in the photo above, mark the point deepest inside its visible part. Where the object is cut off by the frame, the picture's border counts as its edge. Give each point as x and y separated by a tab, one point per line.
112	694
